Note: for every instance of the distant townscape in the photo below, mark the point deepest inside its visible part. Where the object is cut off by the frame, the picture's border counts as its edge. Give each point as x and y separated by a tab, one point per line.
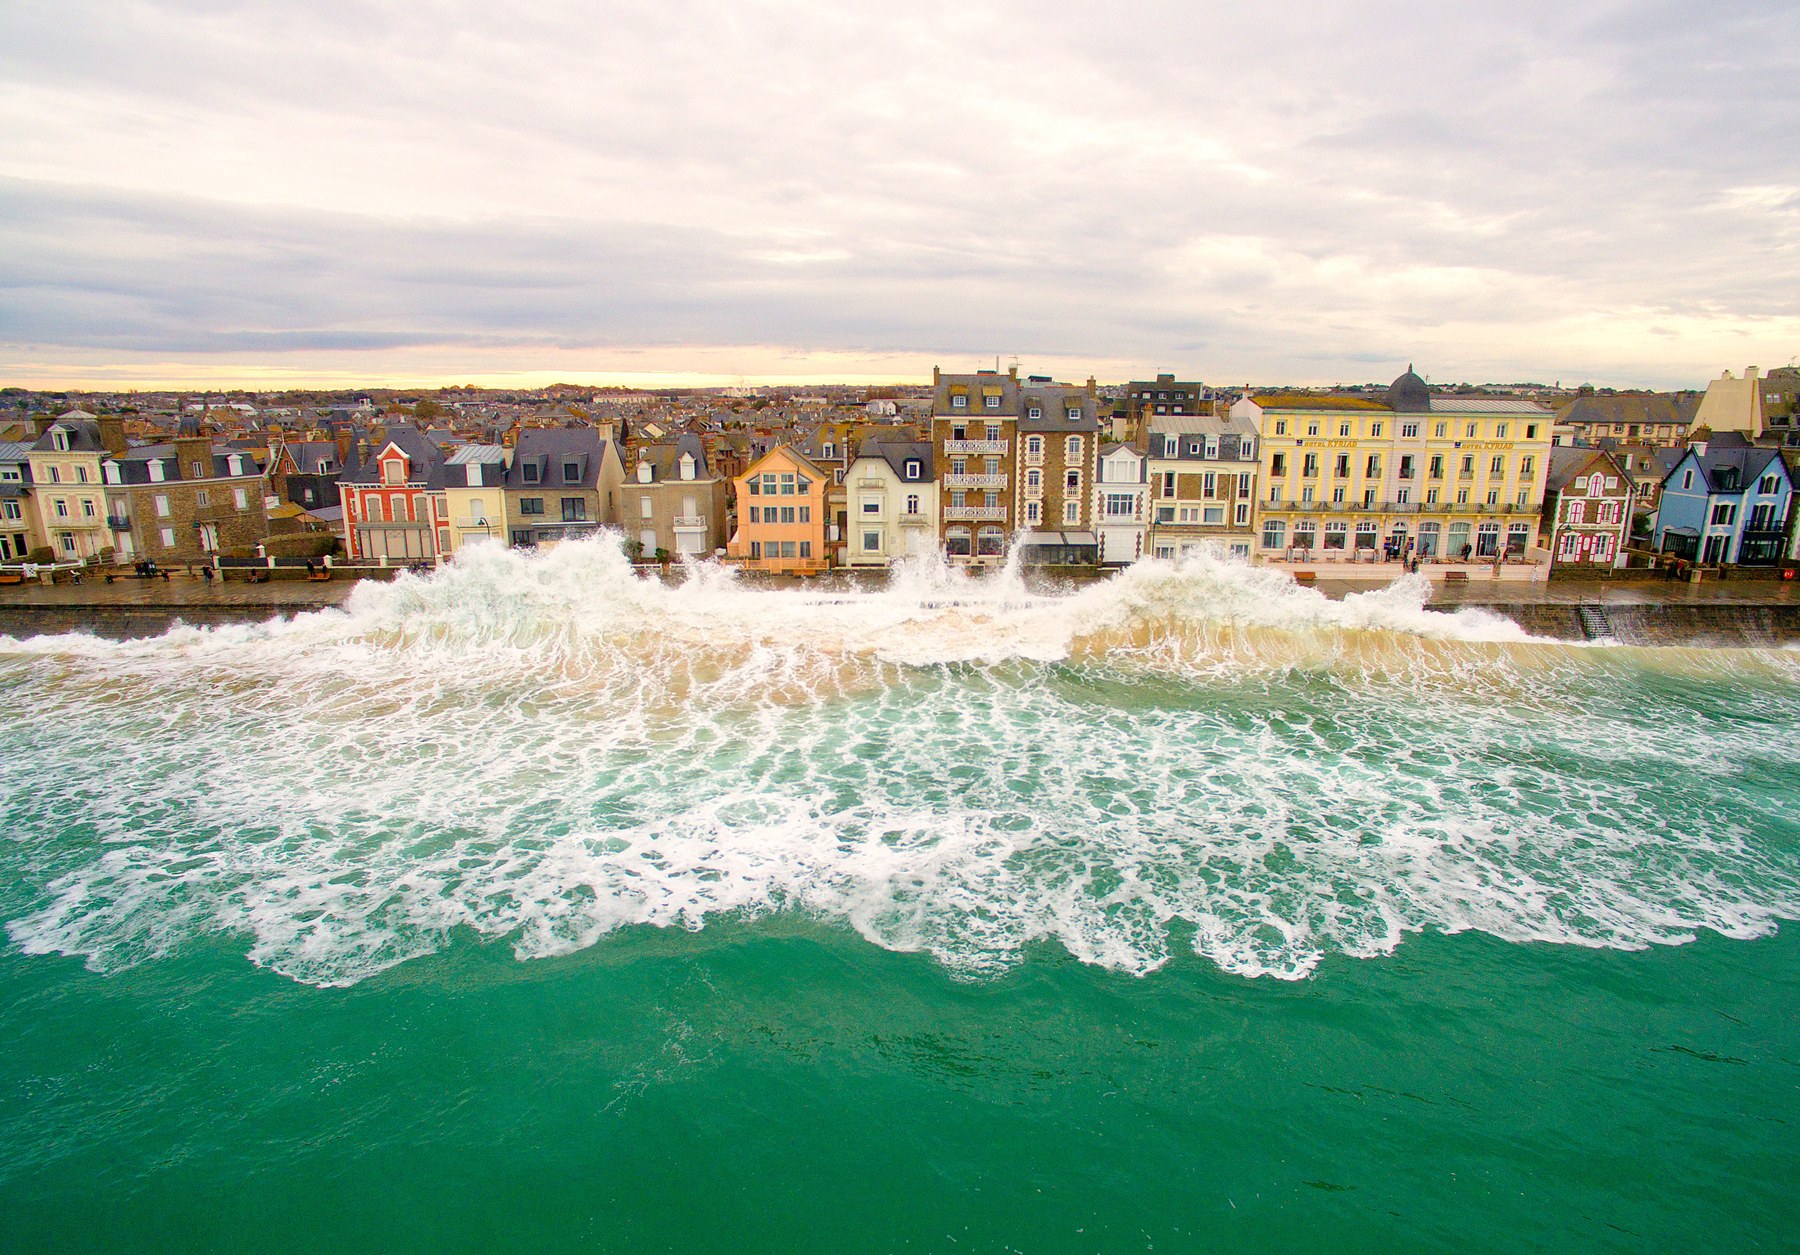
980	467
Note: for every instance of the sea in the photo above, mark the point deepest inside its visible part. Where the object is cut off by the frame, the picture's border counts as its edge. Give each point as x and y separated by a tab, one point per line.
533	905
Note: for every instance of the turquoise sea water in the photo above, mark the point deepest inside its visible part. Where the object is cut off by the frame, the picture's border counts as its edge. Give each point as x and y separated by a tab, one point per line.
533	908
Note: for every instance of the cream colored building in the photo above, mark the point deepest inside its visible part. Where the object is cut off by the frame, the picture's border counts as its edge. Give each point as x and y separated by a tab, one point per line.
1733	404
475	494
68	485
1358	478
891	503
21	530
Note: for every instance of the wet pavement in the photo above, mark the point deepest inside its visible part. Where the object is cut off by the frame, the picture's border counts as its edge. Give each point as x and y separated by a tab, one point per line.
181	590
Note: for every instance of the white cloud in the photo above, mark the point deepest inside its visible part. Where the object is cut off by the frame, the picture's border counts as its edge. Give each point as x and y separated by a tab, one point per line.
1247	192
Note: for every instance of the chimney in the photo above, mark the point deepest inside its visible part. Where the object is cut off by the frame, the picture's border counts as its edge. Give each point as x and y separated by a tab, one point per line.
1750	372
341	436
112	433
40	423
192	449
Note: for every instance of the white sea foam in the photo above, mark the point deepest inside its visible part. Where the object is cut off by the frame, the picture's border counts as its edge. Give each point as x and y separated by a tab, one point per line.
544	749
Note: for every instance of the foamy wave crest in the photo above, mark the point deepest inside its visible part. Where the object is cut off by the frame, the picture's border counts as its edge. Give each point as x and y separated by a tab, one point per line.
542	749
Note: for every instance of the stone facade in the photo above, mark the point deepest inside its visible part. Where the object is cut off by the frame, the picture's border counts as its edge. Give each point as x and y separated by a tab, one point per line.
184	501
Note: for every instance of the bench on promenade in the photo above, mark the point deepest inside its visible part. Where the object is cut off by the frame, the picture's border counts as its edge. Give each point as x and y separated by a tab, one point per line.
12	577
1456	577
1305	577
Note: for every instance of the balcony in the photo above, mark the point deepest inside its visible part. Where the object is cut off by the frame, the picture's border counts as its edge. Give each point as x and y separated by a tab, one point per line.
915	520
697	521
974	481
975	514
118	522
975	446
485	523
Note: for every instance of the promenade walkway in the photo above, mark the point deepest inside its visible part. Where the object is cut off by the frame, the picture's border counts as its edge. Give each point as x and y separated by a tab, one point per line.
181	590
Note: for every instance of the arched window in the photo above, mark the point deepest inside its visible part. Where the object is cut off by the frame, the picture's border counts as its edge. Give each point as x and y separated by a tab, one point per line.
1274	534
956	542
990	542
1034	445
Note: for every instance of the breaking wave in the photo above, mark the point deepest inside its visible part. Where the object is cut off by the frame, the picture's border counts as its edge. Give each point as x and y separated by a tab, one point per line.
544	748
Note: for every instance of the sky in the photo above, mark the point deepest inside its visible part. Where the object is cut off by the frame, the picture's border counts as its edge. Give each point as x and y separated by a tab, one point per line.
197	192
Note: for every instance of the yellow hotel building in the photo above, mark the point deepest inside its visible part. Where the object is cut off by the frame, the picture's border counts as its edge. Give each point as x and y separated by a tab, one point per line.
1443	478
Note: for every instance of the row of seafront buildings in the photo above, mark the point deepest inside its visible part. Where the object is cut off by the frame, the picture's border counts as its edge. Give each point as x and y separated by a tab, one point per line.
987	467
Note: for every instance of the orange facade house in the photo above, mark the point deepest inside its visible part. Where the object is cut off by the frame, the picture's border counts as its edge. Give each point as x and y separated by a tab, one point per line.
781	512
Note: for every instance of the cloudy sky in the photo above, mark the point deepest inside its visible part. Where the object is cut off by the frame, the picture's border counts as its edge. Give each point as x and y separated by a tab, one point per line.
426	190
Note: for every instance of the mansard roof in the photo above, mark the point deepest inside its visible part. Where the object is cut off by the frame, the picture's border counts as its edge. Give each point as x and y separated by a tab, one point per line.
897	453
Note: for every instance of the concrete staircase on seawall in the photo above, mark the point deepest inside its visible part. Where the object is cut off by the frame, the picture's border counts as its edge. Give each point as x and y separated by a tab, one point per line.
1594	623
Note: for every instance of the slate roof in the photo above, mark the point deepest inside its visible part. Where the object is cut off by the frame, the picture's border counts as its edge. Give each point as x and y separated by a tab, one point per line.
427	459
134	464
306	455
545	453
1656	408
1568	461
83	433
665	460
897	453
976	387
1716	464
489	461
1055	402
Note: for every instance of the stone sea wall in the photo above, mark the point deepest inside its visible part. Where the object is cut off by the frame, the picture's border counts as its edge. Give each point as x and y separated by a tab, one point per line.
1660	623
1714	624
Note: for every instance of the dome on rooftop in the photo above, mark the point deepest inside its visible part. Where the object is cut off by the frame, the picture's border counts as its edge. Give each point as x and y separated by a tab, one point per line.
1409	395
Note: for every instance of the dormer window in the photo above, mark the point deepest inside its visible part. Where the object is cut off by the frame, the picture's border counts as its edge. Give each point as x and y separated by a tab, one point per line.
393	471
196	471
643	472
687	466
572	472
1074	415
830	449
959	402
472	474
532	475
322	466
157	474
1171	446
914	470
993	401
1036	411
59	437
